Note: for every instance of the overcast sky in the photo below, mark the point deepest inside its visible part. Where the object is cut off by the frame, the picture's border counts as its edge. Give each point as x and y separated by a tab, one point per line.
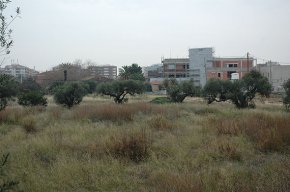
122	32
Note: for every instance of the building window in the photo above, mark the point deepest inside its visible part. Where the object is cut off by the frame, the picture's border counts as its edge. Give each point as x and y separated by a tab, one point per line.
171	66
219	75
232	65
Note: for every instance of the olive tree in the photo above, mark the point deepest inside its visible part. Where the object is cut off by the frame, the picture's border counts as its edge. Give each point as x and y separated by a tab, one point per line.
119	89
239	92
177	92
69	94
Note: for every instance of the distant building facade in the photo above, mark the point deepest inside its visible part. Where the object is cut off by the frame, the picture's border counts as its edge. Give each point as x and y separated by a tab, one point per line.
153	71
19	71
202	65
223	68
73	72
108	71
200	60
176	68
277	74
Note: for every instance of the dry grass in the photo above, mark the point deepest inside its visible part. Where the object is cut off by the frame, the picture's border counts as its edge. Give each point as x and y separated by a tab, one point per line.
12	115
113	112
100	146
229	151
179	182
134	147
268	132
161	123
29	124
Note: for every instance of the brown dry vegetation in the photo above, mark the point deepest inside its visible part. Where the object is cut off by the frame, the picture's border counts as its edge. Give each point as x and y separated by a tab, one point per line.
101	146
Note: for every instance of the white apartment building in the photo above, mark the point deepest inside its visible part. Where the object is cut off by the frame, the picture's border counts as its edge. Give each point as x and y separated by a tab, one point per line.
276	73
19	71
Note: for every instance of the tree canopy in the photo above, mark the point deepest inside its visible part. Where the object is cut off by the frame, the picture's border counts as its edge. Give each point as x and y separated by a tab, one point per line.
8	89
132	72
69	94
239	92
119	89
177	92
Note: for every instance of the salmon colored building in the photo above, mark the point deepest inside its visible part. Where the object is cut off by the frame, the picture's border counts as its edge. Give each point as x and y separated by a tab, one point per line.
223	68
176	68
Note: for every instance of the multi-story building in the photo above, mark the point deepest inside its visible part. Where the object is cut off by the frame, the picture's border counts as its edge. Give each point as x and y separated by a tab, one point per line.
19	71
200	60
277	74
153	71
108	71
202	65
176	68
223	68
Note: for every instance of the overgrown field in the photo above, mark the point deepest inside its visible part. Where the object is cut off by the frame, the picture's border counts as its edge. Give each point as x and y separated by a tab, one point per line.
102	146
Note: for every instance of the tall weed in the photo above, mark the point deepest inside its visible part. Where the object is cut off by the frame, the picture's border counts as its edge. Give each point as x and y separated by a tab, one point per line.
268	132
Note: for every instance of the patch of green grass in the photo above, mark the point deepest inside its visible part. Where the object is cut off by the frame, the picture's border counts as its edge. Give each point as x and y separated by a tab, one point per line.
160	100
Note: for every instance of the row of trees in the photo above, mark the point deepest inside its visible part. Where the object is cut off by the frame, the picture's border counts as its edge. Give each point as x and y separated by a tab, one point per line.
239	92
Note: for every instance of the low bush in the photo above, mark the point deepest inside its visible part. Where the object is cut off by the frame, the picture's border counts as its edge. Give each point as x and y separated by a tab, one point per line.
33	98
69	94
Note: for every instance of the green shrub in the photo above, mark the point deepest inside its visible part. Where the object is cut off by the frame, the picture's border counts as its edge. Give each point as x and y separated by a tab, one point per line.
51	89
32	98
90	86
69	94
8	89
161	100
